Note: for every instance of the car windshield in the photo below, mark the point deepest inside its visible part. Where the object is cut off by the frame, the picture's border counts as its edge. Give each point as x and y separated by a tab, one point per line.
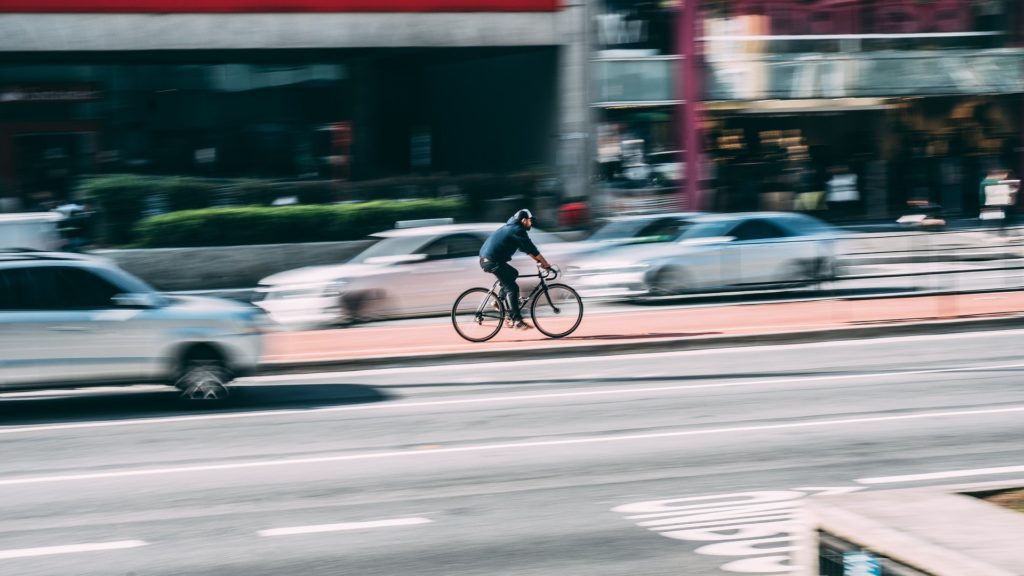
394	246
617	229
708	229
641	230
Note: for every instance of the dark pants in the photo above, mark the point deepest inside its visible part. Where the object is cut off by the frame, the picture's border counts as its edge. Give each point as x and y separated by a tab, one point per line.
509	289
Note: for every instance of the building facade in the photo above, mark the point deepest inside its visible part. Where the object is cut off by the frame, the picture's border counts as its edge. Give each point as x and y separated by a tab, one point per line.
634	104
312	89
918	98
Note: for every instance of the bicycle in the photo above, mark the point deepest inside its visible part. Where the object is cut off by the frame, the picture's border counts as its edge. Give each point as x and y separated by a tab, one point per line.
479	314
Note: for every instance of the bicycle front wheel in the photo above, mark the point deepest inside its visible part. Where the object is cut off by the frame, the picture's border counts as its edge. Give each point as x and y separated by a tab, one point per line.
478	314
558	312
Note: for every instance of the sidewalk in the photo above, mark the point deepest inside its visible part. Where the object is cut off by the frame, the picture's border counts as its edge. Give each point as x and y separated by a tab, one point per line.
651	329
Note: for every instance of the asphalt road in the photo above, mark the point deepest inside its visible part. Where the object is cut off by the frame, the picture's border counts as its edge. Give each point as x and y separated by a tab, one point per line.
679	464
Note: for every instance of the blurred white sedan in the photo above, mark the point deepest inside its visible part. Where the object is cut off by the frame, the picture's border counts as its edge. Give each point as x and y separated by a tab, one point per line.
407	272
715	252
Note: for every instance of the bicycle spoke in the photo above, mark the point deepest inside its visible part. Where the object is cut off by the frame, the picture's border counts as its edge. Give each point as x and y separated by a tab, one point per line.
558	313
477	315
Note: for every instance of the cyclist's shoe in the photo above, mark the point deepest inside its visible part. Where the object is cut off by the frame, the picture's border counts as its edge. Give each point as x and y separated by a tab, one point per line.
522	325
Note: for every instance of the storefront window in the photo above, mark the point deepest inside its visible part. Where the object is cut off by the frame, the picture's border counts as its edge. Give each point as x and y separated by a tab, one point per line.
220	120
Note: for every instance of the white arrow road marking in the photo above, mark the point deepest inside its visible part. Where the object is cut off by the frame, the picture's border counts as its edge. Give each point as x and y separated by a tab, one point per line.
343	526
940	475
71	549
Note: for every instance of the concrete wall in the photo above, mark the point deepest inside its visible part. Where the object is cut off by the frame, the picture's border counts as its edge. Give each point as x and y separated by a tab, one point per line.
133	32
228	266
940	531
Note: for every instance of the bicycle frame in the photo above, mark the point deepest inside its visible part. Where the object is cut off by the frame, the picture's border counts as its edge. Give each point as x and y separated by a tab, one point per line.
540	287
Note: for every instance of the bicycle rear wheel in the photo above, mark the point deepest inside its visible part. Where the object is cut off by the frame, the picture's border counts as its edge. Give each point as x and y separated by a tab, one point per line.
558	313
478	314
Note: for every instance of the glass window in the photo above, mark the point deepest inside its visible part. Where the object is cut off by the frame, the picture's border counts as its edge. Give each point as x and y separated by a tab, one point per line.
84	290
457	246
54	288
757	230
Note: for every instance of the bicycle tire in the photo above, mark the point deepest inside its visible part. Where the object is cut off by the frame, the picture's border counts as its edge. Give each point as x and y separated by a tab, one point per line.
481	308
570	311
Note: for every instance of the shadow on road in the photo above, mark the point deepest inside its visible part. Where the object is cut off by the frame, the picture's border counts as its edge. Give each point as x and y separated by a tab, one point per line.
81	405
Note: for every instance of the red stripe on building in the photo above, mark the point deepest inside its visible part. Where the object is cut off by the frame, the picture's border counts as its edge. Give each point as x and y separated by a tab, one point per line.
186	6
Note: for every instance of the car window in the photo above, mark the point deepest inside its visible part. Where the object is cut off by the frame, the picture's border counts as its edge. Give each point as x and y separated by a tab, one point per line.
803	225
663	229
757	230
707	229
54	288
615	230
394	246
455	246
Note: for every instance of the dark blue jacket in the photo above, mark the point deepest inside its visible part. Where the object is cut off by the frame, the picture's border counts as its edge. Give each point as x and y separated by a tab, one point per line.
504	242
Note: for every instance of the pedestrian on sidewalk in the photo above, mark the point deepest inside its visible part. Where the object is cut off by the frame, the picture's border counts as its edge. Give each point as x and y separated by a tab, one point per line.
498	250
998	197
842	195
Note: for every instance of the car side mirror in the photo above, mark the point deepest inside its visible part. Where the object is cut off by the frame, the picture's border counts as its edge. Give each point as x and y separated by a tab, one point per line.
137	300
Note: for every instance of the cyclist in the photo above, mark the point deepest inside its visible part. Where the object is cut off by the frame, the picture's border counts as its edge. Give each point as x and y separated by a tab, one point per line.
498	250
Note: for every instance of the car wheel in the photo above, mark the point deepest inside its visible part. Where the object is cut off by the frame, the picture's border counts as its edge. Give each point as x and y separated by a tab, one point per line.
668	282
204	378
366	306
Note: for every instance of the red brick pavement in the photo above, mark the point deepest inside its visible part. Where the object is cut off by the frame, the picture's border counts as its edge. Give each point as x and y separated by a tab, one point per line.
641	325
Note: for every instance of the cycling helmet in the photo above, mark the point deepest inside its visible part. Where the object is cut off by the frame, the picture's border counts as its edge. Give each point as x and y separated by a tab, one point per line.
524	213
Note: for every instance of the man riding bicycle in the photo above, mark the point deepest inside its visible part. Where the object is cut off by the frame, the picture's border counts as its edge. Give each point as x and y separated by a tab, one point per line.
498	250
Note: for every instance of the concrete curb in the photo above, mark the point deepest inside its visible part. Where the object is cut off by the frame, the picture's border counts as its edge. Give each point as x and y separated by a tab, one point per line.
940	530
553	349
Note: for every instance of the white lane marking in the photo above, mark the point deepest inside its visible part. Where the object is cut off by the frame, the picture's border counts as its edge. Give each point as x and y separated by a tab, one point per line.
941	475
496	399
343	526
504	446
71	549
589	358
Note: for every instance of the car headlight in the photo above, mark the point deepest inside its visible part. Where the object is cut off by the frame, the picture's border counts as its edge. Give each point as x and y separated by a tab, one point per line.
334	288
305	290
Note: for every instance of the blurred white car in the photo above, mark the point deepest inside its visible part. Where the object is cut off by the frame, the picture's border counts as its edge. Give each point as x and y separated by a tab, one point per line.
408	272
715	252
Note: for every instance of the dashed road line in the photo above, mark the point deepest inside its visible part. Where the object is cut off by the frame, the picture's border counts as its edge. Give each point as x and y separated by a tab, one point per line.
319	528
501	399
556	441
71	549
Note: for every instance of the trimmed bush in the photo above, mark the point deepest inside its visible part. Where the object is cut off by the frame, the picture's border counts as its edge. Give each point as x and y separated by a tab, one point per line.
284	224
122	199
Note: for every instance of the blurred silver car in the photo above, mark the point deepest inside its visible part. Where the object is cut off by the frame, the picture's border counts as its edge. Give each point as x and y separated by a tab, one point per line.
714	252
68	320
414	271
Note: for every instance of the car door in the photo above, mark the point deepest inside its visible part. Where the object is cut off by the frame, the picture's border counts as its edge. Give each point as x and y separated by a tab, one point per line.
761	250
60	326
451	266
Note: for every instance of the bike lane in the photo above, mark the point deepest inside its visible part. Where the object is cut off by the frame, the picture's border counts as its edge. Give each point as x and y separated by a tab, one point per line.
652	326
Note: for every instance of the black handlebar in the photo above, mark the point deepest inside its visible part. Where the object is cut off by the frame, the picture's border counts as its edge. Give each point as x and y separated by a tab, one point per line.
548	274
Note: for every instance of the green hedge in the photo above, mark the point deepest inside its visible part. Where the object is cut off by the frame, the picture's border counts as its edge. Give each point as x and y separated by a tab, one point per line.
274	225
123	200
